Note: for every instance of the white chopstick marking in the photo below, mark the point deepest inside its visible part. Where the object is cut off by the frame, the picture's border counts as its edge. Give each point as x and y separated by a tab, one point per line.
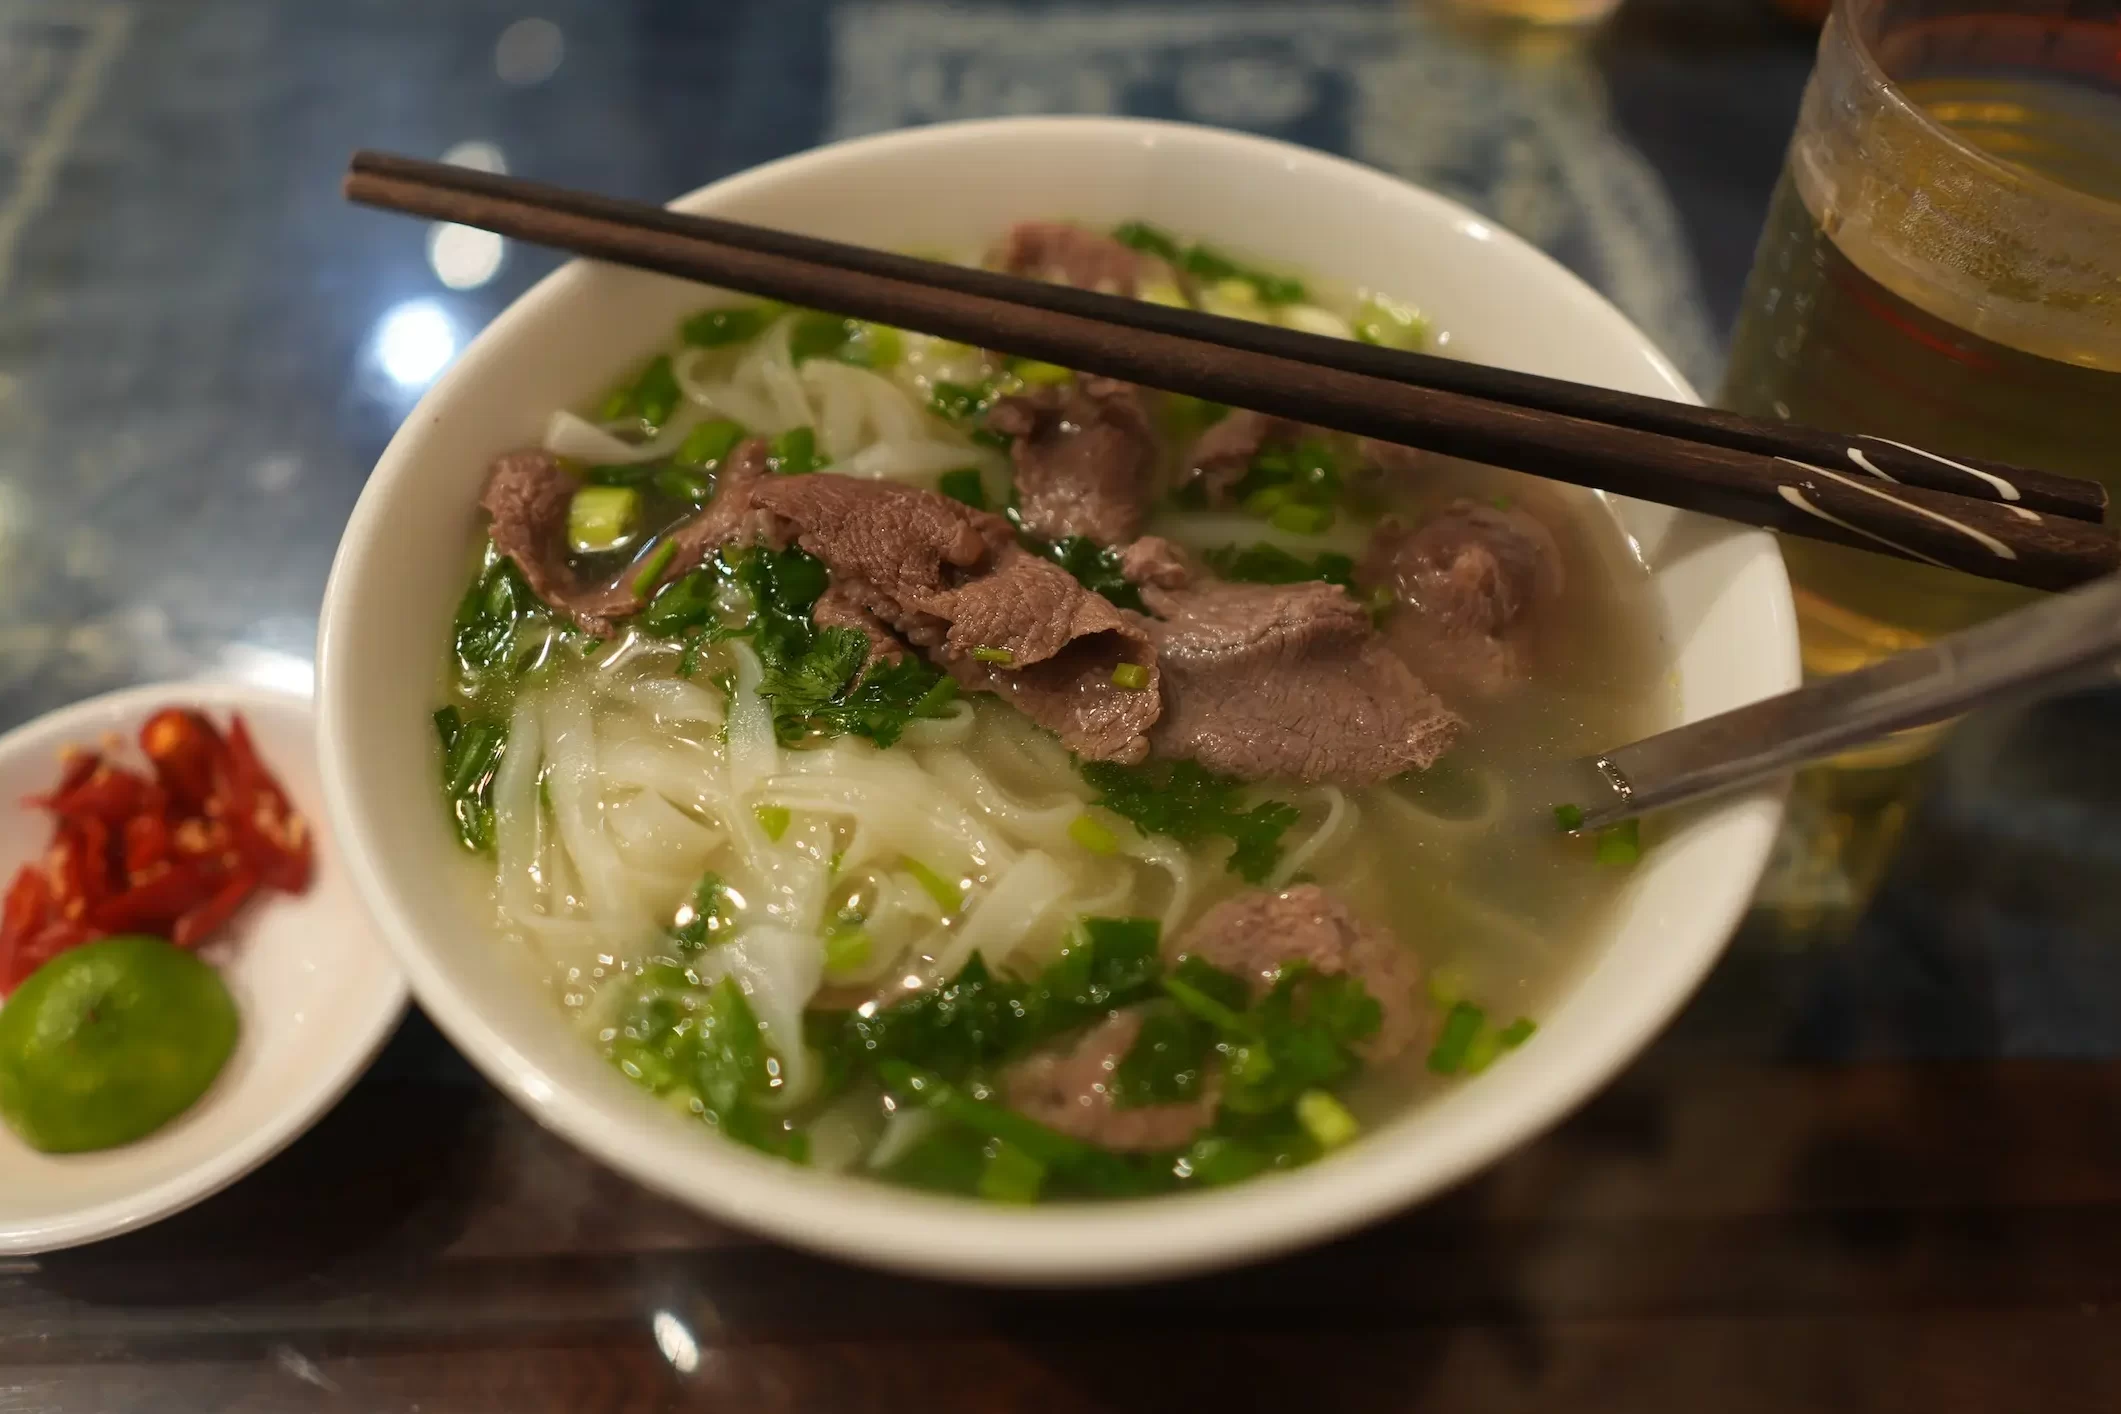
2004	488
1979	537
1796	498
1856	455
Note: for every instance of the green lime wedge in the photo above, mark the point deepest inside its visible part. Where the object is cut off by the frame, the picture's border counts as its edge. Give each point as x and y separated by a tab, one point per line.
109	1042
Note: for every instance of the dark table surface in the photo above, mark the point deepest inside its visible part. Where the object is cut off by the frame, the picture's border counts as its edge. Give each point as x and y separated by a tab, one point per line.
1876	1171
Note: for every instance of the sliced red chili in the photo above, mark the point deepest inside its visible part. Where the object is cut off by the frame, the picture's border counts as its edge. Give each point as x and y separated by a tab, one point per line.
28	906
186	752
147	843
110	793
199	924
152	906
100	874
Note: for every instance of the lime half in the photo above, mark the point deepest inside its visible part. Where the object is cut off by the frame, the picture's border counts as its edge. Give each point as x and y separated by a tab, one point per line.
109	1042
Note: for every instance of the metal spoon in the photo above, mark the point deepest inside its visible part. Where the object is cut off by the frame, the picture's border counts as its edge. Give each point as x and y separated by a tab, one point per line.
2056	643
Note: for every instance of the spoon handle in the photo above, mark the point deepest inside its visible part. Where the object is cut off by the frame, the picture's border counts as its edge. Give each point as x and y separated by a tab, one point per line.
2043	646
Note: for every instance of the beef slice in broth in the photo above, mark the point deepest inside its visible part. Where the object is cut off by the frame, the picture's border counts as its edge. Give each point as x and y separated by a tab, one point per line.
1085	456
1070	1088
1467	580
1287	681
1254	934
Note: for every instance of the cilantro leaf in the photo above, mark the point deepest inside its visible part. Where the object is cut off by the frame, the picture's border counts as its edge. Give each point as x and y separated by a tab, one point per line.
1095	567
707	917
679	1037
804	673
815	679
1168	1060
1191	804
1267	563
1304	1033
888	696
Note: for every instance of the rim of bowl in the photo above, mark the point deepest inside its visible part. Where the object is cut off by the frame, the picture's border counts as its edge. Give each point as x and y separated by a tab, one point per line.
1111	1241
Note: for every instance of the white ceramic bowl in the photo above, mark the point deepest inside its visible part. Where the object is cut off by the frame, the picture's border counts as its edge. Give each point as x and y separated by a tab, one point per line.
317	993
401	568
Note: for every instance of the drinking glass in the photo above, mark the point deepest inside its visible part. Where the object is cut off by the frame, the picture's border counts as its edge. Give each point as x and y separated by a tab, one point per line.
1941	265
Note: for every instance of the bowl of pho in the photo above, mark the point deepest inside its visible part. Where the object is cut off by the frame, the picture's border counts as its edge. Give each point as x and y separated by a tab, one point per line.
966	816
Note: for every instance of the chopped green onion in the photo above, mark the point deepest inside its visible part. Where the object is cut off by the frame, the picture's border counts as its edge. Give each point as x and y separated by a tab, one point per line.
793	453
1131	676
872	346
1482	1052
998	656
1569	818
964	485
1209	264
1302	520
601	518
847	950
1622	844
1518	1032
652	569
1213	1012
773	819
1501	503
1038	374
681	485
1087	832
1447	986
1390	324
1266	501
1460	1026
1165	293
1277	289
1048	1146
953	401
716	328
1326	1119
818	335
1151	240
1010	1175
705	445
623	474
948	896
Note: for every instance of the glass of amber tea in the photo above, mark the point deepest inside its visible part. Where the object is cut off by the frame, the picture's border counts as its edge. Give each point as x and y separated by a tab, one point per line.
1941	265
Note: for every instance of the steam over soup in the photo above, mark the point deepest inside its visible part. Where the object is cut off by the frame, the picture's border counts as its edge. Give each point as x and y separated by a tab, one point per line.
1027	785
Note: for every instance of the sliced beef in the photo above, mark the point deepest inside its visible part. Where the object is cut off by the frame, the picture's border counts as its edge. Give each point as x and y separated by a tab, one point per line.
527	495
1155	560
1467	580
1287	680
841	607
952	581
1220	456
731	517
1075	255
1070	1089
1084	456
1255	933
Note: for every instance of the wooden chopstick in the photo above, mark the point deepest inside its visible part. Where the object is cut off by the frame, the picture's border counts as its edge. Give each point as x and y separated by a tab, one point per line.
1849	454
1999	541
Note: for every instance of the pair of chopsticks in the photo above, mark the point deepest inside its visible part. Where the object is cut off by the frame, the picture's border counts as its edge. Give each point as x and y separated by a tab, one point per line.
2006	523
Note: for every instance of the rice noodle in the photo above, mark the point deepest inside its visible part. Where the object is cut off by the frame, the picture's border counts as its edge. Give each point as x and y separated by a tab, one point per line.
568	435
1022	900
1340	817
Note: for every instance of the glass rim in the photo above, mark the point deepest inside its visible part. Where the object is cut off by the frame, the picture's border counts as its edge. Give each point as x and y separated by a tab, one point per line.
1841	27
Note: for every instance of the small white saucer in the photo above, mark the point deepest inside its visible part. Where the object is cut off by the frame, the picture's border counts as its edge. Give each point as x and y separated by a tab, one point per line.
317	991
